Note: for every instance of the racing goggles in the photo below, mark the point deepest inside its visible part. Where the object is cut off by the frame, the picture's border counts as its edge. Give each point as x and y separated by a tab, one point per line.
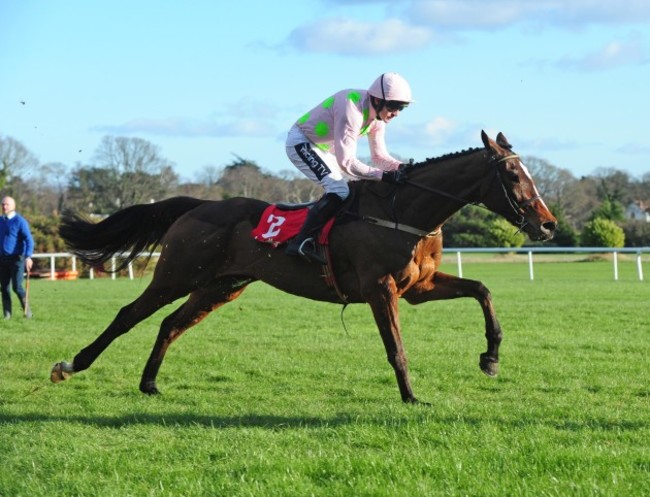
396	105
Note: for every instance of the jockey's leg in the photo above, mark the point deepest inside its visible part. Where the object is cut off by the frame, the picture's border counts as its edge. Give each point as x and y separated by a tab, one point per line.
304	244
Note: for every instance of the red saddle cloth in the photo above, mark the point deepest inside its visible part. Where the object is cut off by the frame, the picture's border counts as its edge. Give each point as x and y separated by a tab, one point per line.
276	226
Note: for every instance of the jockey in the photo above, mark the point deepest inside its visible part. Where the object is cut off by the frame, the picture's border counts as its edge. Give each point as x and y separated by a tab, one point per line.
322	144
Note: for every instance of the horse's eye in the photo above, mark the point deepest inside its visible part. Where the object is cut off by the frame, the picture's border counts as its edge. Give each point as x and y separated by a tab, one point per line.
513	177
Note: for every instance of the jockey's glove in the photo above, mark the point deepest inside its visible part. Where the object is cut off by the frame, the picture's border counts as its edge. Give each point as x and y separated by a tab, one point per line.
395	177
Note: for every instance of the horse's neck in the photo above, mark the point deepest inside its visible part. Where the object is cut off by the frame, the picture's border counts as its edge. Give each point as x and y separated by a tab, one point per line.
438	189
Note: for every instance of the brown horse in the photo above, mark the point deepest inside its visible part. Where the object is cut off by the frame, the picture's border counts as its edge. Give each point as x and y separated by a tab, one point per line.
390	248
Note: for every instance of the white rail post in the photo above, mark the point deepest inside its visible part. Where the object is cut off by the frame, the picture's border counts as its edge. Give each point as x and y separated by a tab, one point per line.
52	268
112	268
130	271
530	266
639	268
459	261
615	266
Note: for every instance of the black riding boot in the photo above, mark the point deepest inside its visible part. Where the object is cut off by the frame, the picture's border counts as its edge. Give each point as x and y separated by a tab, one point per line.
304	244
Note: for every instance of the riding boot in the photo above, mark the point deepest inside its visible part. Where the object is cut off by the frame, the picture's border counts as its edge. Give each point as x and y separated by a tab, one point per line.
304	244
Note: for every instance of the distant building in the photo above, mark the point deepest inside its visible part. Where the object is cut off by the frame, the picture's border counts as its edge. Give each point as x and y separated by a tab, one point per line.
639	211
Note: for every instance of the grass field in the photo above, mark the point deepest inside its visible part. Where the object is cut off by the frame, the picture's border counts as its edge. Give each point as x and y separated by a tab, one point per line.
270	397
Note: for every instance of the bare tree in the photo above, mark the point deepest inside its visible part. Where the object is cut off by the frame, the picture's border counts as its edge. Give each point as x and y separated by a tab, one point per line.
551	181
614	184
50	186
580	200
15	159
242	178
209	175
142	174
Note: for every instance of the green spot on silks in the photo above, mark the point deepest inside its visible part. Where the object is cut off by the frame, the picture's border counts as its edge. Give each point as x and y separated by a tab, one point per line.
321	129
328	103
366	114
354	96
304	118
323	146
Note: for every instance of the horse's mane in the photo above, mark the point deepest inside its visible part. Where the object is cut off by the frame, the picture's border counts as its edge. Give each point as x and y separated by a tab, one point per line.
356	186
442	158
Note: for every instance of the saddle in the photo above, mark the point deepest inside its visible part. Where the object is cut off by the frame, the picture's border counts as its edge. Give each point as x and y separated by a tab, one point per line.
282	221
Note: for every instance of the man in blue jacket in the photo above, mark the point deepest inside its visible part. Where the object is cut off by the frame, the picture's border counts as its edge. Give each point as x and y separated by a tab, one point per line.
16	248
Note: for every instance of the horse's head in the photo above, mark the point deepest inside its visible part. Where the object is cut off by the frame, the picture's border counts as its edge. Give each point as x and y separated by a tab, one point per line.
511	191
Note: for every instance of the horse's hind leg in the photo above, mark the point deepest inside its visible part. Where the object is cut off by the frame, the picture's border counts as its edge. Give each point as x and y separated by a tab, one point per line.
200	303
151	300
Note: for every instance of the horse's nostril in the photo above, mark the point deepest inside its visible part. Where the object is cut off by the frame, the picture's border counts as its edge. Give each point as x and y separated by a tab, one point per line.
549	226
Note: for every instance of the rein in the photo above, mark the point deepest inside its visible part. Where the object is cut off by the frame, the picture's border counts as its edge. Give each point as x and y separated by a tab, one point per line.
516	207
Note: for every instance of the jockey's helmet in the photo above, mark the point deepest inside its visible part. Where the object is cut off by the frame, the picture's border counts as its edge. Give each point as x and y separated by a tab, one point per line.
390	86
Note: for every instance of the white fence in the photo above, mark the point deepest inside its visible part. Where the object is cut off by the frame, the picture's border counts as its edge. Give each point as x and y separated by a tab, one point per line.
458	251
53	273
558	250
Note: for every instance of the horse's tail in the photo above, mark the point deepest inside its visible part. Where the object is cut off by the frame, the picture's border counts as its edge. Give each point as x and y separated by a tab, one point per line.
128	232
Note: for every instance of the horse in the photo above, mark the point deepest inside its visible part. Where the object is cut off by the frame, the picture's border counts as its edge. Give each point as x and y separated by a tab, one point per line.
389	247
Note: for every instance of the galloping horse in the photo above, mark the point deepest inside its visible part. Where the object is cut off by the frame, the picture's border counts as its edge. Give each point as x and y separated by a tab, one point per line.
390	247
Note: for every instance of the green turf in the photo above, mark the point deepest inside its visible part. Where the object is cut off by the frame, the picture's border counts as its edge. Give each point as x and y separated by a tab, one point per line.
270	396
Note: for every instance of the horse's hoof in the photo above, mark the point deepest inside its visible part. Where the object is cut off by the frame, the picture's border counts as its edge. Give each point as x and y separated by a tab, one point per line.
415	401
61	371
488	365
149	388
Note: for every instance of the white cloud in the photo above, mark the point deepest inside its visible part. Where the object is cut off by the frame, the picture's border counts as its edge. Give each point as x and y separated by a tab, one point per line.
192	128
615	53
349	37
467	14
439	135
438	130
634	149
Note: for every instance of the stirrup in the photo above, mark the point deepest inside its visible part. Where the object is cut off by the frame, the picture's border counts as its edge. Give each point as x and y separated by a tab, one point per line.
309	252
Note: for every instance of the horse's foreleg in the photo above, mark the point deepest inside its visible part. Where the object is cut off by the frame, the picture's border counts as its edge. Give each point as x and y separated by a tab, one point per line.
130	315
445	286
383	302
198	306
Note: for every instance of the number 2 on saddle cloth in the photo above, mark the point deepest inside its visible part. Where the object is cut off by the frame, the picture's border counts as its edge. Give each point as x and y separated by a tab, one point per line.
277	226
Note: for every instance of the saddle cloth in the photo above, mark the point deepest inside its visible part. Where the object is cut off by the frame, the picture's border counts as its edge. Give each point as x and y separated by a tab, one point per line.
277	225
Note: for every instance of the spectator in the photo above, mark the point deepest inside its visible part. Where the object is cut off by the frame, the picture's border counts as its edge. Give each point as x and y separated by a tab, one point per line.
16	248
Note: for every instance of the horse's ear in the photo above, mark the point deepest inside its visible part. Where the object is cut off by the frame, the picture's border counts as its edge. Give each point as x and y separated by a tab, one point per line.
485	138
502	141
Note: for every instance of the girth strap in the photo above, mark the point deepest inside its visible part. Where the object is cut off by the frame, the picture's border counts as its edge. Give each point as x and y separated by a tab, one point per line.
400	227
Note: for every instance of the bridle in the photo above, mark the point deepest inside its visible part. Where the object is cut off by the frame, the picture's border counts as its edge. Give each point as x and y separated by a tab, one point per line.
516	206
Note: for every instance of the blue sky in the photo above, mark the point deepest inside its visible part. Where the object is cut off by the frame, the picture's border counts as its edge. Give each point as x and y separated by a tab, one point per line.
567	82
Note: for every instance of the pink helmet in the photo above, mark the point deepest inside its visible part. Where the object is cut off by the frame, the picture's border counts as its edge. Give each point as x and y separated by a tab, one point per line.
391	86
